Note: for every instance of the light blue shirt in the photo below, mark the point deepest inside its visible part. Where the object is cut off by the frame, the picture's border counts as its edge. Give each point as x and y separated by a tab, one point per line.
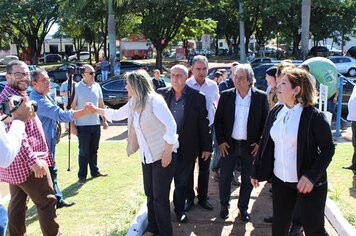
84	94
49	113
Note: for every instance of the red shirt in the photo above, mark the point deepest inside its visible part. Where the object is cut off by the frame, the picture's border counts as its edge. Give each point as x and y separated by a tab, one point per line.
34	147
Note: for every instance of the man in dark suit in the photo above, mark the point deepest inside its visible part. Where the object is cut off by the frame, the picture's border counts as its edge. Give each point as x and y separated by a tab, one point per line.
239	123
188	107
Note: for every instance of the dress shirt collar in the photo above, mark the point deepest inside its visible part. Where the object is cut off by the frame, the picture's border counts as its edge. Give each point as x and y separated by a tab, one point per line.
196	83
248	95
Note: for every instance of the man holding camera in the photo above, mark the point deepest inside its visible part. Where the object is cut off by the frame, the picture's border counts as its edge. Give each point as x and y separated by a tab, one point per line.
49	113
28	174
10	144
88	127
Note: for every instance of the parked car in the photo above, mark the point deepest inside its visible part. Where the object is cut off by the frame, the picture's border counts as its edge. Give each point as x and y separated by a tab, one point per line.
83	56
114	92
58	74
352	52
2	76
7	59
262	60
50	58
319	51
125	66
213	67
344	65
334	51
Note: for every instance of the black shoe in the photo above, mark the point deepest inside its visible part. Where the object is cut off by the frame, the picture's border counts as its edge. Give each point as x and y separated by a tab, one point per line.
295	230
268	219
181	217
244	216
188	205
351	167
99	174
206	205
62	203
82	181
224	212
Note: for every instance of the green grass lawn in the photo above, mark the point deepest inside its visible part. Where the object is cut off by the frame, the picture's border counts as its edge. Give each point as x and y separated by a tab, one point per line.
342	183
105	205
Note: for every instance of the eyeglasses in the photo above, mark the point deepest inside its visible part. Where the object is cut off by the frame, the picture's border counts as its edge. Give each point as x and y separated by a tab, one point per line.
20	75
90	73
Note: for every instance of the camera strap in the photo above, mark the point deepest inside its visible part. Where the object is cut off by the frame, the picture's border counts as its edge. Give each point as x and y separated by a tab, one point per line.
11	111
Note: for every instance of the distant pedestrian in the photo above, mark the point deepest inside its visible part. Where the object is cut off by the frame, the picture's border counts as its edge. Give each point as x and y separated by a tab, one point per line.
117	67
105	67
157	81
352	117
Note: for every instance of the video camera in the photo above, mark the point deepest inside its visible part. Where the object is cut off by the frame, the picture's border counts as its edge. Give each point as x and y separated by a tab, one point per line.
17	101
75	70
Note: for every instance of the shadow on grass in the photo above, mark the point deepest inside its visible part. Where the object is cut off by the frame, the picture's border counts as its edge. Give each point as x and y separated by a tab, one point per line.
353	187
122	136
70	191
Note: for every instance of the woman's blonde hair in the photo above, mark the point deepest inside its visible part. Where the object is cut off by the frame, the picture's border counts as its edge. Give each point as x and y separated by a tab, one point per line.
299	77
141	85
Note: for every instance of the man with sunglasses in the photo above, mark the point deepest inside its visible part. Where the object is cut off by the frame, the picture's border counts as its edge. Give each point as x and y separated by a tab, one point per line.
88	127
49	114
28	174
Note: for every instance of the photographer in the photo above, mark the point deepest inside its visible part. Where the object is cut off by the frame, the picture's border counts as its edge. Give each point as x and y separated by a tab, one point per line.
28	174
49	113
10	144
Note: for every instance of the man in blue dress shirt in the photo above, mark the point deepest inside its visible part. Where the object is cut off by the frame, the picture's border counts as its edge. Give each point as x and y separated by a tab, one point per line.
50	113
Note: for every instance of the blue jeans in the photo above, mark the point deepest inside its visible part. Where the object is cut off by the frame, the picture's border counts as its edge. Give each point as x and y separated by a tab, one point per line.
104	75
88	137
3	220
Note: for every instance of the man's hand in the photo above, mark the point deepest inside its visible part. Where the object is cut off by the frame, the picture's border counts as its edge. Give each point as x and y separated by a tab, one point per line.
255	183
205	155
305	185
255	149
223	149
166	158
90	108
24	112
40	169
105	124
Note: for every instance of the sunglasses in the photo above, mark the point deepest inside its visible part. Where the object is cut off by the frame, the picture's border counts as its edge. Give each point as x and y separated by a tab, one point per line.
90	73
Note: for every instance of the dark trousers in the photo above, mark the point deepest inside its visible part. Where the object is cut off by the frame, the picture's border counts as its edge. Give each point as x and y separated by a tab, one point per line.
353	128
181	176
241	151
54	170
42	194
157	183
203	180
311	205
88	137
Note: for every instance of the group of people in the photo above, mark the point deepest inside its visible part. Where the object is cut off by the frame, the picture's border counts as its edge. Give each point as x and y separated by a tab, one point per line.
278	136
277	141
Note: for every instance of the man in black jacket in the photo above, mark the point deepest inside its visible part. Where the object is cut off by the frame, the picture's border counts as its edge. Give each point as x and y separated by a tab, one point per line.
188	107
239	123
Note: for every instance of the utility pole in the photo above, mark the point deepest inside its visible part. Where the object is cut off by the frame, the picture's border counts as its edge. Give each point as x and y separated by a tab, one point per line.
306	5
112	37
242	34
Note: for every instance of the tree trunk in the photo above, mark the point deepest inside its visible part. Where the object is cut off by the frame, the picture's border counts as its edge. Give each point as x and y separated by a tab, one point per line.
306	5
159	59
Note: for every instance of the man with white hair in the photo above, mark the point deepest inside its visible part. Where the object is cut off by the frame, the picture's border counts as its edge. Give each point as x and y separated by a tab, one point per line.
188	107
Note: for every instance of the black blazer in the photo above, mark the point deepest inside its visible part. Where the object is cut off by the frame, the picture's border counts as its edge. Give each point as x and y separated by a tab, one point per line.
195	135
225	116
315	147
